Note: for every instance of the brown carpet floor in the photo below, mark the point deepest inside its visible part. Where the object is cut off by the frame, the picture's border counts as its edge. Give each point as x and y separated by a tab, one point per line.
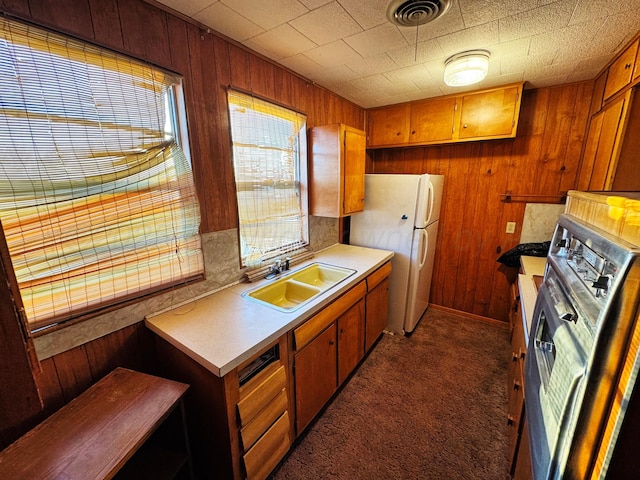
430	406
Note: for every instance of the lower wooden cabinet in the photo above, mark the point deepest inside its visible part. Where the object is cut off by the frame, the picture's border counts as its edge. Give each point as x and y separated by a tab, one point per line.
516	420
315	376
377	305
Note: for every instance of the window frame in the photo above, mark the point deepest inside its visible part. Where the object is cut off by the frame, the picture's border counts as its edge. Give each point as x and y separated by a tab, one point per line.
303	246
178	117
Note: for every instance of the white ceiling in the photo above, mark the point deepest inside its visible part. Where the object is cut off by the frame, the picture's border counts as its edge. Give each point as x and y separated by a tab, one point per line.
349	46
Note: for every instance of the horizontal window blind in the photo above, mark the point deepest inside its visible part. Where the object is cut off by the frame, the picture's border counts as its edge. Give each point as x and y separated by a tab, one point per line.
268	142
97	199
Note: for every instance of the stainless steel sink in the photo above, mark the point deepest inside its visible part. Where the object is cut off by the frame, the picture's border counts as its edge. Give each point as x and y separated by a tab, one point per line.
298	287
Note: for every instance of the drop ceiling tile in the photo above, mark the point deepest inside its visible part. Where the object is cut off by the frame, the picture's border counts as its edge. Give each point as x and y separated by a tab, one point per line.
224	20
267	14
407	56
408	75
372	65
313	4
377	40
373	82
580	34
187	7
280	42
368	14
476	12
300	63
472	38
333	54
514	48
330	76
615	32
427	83
326	24
599	9
520	64
542	19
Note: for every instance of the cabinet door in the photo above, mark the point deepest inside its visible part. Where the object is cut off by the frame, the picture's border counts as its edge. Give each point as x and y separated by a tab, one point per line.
315	376
355	143
621	71
432	120
489	114
388	126
376	312
608	142
350	340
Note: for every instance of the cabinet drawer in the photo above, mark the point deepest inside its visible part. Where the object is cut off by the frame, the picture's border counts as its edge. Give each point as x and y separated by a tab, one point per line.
376	277
260	460
258	397
264	419
316	324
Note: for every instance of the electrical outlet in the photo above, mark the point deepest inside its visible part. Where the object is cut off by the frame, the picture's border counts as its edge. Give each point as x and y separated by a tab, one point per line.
511	227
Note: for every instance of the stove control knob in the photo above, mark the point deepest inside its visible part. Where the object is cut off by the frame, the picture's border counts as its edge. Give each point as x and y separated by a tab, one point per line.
601	284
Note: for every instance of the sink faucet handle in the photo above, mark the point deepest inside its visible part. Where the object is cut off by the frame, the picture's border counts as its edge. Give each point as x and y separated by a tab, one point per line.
286	263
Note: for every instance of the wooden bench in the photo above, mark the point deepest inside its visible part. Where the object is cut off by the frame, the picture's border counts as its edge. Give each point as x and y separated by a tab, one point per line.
114	429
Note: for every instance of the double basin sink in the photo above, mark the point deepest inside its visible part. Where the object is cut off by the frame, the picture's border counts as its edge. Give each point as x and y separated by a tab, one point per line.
293	290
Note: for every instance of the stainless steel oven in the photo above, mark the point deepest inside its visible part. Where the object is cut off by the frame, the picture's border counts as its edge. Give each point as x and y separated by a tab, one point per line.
581	336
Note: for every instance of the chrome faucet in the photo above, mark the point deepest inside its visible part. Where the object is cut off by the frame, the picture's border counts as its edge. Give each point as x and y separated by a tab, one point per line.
278	267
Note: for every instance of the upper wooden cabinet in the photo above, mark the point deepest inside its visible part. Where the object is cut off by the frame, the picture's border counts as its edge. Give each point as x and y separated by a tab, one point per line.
622	71
490	114
336	170
479	115
431	120
612	149
389	125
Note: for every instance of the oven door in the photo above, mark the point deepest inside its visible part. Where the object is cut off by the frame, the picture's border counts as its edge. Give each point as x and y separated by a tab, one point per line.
554	374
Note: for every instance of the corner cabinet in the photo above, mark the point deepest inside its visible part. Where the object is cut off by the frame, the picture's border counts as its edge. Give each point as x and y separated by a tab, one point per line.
610	157
478	115
336	170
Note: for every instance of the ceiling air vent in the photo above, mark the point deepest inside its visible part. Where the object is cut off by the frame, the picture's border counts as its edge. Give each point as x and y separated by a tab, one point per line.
410	13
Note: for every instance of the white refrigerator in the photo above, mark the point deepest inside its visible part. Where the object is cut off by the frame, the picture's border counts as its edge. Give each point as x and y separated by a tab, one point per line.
401	213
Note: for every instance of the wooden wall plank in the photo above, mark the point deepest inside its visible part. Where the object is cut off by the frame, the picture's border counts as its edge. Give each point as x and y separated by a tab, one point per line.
74	373
73	16
577	138
262	75
144	31
105	20
16	7
49	387
555	139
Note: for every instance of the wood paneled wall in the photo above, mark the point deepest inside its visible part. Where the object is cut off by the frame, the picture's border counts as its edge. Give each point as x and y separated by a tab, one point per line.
208	64
542	160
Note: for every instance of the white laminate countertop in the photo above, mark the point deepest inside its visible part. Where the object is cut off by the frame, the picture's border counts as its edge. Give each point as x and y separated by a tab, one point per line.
222	330
530	266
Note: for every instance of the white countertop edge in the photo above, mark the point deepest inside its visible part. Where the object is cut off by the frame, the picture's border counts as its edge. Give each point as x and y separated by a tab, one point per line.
367	259
528	293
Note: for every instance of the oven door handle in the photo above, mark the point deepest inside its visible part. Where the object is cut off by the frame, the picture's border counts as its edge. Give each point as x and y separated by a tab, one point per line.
563	308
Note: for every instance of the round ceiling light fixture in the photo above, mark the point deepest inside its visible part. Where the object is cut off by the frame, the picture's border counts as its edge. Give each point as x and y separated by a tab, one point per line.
466	68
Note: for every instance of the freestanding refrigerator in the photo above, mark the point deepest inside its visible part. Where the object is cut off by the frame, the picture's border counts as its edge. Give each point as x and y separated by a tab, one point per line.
401	213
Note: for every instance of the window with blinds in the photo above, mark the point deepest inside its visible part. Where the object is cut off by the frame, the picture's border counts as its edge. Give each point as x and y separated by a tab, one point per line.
269	160
97	199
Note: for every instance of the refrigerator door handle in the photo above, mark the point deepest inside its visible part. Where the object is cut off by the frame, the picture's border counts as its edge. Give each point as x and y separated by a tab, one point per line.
431	194
425	248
